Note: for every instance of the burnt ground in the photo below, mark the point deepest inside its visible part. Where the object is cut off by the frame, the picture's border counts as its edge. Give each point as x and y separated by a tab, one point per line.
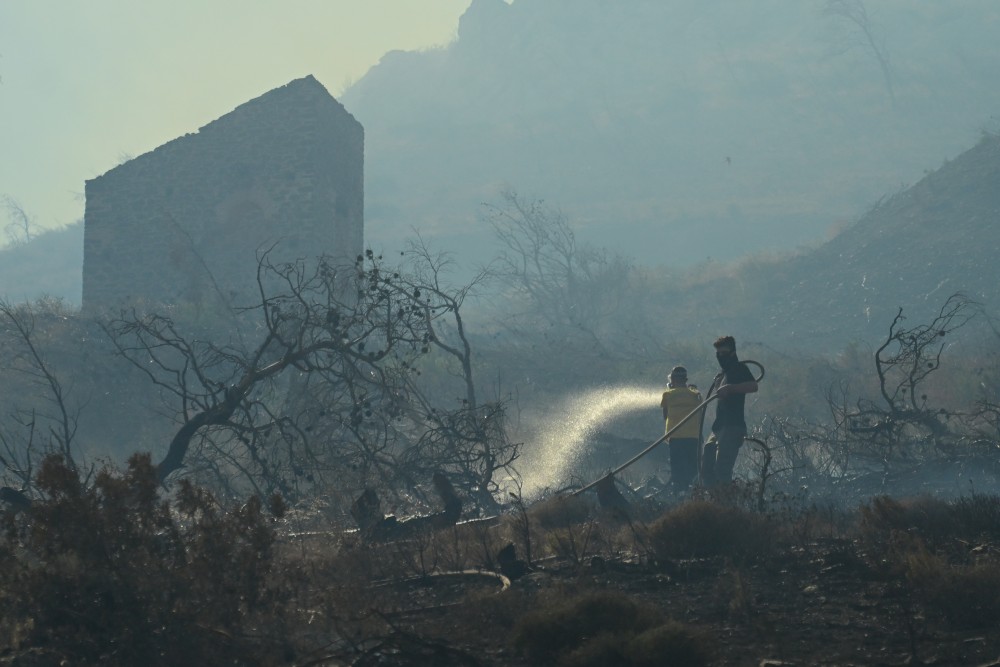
822	601
894	582
794	610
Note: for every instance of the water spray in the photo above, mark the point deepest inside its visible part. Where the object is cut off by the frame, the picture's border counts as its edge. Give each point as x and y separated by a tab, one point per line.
562	438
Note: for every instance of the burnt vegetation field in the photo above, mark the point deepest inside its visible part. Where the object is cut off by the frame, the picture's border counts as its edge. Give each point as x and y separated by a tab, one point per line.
112	573
333	475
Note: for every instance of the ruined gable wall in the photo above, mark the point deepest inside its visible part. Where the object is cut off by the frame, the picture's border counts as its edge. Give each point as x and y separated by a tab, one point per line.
186	221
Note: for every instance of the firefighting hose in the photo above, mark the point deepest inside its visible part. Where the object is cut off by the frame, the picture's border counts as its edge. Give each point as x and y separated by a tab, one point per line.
698	411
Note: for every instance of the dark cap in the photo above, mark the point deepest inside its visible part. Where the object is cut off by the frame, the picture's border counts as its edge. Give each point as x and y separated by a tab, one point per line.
679	372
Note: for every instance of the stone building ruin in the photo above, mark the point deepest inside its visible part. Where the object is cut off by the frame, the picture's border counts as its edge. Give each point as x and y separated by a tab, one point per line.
185	222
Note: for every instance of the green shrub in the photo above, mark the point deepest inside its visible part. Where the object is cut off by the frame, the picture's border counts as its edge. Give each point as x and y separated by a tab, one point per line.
702	528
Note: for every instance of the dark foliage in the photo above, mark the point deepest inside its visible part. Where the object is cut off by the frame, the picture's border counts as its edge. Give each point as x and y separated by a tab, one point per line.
671	643
564	625
972	517
606	628
108	574
703	528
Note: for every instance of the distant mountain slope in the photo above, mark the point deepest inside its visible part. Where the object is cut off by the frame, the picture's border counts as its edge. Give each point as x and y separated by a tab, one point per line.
673	131
51	264
912	250
915	248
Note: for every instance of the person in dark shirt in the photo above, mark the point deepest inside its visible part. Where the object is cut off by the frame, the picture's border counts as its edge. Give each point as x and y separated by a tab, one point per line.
730	427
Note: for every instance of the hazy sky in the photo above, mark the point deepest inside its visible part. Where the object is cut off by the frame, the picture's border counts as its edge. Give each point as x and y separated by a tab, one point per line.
84	84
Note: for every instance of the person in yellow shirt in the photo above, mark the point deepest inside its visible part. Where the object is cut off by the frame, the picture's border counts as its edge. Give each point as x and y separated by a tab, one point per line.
678	401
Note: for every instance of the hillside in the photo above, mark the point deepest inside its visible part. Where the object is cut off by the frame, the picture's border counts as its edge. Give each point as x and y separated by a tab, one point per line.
911	250
672	132
699	583
51	264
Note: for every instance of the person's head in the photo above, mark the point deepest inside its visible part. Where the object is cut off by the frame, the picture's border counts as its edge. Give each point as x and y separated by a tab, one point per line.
725	348
678	376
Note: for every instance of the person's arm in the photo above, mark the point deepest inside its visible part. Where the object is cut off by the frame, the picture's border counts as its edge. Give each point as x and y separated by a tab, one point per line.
746	383
748	387
663	404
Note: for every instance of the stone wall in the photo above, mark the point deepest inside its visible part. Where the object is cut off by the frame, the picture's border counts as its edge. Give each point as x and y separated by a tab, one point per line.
185	222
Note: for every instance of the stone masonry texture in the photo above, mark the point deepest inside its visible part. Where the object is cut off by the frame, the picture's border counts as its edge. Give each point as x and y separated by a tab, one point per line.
186	222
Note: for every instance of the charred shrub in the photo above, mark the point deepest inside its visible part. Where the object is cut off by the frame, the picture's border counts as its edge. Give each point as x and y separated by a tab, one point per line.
566	526
605	628
560	512
109	574
930	517
703	528
967	596
672	644
605	649
969	517
978	515
562	626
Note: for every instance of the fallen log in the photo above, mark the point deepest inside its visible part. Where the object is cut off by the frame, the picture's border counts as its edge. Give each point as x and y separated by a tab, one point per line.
378	527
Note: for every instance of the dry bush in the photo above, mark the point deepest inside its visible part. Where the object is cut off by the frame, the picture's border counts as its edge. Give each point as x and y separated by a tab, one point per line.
483	541
606	628
806	525
563	526
969	517
624	542
570	527
470	545
560	511
962	585
109	574
671	643
967	596
504	610
735	594
928	516
606	648
329	591
572	543
978	515
561	625
702	528
350	590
